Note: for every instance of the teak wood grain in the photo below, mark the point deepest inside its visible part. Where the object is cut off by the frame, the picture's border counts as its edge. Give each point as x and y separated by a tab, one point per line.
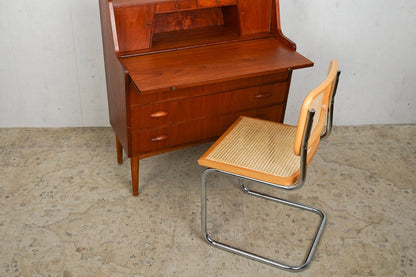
180	111
190	67
116	75
186	20
138	18
138	99
177	136
180	72
255	16
176	5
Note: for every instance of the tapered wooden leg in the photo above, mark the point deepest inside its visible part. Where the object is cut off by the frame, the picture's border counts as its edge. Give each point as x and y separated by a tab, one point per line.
119	151
134	163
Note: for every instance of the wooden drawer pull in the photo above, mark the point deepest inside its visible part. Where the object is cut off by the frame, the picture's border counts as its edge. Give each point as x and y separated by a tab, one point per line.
159	114
160	138
265	95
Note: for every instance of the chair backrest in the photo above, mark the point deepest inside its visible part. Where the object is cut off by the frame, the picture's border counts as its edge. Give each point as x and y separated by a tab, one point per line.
318	99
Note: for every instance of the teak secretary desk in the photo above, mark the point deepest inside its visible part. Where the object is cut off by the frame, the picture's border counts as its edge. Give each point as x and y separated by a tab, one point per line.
179	73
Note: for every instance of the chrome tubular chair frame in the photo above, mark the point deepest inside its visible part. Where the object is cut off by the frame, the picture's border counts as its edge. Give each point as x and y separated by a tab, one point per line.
330	116
301	181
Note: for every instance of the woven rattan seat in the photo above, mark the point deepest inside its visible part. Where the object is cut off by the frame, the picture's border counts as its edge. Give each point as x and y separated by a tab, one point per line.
258	149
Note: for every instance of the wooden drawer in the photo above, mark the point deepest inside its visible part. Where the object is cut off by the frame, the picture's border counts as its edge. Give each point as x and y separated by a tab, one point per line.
139	99
175	112
175	6
216	3
168	138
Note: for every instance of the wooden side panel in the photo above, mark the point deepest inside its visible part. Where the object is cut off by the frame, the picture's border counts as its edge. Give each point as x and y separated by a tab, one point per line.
232	18
115	76
276	28
255	16
134	27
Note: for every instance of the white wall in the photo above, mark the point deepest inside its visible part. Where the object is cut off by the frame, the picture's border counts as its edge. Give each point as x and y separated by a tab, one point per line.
52	70
375	44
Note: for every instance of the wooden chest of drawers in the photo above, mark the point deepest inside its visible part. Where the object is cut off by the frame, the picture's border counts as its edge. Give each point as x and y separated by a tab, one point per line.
173	123
181	72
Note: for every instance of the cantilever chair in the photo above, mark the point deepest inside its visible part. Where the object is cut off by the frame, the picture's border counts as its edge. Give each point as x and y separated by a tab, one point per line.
274	154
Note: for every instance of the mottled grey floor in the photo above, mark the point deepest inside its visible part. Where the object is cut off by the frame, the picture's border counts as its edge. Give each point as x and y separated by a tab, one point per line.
66	209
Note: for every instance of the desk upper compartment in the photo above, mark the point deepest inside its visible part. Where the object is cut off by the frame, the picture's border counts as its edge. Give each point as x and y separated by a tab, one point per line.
143	26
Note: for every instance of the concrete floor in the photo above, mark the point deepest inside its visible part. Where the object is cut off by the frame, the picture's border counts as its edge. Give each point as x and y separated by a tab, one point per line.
66	209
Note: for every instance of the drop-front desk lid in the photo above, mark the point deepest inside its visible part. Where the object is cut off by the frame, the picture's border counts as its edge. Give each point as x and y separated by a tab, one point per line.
208	64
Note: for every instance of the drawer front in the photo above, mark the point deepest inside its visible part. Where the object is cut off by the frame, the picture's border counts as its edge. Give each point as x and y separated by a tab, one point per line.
216	3
175	5
157	140
175	112
176	93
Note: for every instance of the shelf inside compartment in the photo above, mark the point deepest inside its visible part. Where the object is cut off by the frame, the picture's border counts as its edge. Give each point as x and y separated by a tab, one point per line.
191	37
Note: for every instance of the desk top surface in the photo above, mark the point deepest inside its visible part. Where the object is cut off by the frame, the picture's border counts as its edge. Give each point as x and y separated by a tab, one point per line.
209	64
